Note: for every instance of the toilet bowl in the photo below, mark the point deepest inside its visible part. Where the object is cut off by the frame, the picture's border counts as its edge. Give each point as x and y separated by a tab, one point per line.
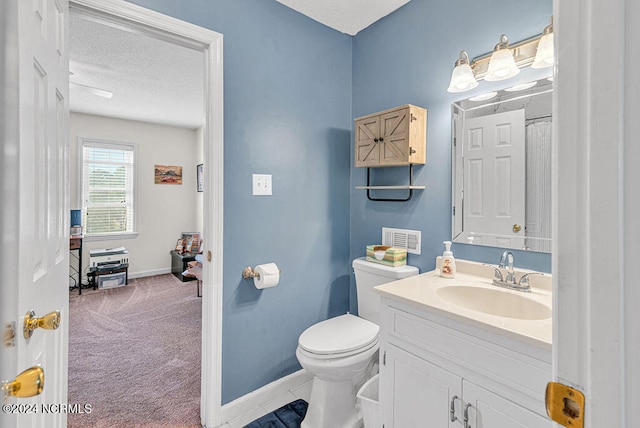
342	352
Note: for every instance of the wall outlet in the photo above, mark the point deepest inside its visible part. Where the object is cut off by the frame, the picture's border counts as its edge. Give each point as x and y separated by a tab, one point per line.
262	184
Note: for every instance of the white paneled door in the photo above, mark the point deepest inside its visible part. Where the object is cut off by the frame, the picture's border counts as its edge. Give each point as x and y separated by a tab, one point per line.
38	281
494	188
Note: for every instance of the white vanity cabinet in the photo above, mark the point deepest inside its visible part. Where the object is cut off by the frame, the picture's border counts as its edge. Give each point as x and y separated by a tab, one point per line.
436	369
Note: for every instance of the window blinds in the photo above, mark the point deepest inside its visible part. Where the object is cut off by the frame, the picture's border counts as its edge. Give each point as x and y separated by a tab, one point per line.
107	188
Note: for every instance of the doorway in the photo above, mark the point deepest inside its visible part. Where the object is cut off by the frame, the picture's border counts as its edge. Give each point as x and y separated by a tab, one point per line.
134	18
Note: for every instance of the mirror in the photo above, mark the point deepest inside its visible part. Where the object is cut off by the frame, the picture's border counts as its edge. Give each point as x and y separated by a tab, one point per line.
501	168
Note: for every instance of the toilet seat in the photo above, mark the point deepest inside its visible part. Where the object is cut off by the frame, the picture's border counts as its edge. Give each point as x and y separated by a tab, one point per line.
339	337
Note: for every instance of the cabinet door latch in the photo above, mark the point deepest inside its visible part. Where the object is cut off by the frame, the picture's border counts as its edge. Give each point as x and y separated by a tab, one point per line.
565	405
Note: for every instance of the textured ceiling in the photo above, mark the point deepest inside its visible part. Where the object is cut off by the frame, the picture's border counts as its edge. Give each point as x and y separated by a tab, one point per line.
151	80
347	16
159	82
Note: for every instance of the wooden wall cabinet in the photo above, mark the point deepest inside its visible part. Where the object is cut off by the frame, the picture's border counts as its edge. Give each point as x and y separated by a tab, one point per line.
392	137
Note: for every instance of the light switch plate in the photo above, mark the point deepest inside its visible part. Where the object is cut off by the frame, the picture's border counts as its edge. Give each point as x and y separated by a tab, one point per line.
262	184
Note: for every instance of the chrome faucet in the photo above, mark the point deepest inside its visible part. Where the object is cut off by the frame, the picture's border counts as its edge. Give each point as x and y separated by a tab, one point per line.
507	257
506	262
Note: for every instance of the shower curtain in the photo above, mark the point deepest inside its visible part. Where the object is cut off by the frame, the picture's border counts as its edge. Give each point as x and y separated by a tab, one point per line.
538	177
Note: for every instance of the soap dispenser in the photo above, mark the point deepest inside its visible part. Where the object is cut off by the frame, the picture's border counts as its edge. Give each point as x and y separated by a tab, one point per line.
448	265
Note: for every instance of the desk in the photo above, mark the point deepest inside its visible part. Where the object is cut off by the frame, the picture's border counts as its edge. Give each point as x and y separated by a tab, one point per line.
75	244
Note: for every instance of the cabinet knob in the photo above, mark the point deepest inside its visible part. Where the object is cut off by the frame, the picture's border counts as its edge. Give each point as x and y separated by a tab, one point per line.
381	139
375	140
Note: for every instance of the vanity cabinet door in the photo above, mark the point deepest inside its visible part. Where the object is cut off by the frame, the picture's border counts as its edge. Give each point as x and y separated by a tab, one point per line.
488	410
415	393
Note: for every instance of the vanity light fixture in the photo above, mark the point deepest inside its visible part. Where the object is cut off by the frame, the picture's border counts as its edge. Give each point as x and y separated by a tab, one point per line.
544	53
462	78
504	61
501	65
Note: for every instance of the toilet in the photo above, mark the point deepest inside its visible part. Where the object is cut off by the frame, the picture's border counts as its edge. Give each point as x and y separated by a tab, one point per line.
342	352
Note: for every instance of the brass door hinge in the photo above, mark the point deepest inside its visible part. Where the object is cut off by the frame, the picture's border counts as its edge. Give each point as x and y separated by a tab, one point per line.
565	405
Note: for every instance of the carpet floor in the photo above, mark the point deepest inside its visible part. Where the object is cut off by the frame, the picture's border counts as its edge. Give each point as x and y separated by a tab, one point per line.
288	416
134	355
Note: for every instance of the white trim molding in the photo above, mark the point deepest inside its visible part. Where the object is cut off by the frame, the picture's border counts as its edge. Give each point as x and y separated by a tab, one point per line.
146	273
270	397
596	237
126	15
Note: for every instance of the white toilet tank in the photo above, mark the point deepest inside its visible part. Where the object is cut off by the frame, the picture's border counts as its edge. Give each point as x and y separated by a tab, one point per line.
369	275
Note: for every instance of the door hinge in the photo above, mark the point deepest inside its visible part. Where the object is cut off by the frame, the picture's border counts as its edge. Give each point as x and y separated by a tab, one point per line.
453	210
384	358
411	151
413	117
9	335
565	405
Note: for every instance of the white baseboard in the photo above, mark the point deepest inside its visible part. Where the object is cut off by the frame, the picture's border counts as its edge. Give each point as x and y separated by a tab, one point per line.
270	397
144	273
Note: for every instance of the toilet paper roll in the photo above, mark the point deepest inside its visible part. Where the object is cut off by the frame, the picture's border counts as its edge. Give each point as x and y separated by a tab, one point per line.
269	276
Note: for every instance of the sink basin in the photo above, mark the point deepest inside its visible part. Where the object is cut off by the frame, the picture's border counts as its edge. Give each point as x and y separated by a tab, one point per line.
495	302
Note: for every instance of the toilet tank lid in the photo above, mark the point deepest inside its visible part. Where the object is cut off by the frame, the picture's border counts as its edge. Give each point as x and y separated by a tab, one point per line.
397	272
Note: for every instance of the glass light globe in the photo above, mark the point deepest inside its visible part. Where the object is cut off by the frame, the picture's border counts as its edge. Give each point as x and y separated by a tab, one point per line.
501	66
544	54
462	79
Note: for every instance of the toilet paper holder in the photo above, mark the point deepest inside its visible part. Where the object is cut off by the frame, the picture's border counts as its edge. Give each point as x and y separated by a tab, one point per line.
249	273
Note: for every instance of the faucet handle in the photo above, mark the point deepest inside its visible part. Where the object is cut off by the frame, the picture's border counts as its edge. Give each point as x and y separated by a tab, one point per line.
497	275
524	279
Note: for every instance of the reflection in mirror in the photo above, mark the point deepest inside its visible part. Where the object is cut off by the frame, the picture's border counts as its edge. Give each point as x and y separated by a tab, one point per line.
501	167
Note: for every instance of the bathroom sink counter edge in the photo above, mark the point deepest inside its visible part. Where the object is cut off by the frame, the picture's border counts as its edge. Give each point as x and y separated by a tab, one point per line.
426	291
463	349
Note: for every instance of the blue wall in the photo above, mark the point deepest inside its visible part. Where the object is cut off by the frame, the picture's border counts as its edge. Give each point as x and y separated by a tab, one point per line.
287	83
407	58
292	88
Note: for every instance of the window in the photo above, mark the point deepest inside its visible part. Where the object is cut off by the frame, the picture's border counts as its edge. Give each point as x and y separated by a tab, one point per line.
108	197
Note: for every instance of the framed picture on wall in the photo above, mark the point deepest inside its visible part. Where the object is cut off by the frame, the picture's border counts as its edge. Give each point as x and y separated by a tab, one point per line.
200	177
168	174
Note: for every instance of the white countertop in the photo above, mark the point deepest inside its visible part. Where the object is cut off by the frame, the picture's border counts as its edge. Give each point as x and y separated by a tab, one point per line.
421	291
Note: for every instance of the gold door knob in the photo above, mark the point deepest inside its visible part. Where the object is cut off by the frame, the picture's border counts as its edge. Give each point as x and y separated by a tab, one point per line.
27	384
51	321
517	228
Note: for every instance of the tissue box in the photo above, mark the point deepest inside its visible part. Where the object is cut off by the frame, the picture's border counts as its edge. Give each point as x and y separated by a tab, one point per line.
393	256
